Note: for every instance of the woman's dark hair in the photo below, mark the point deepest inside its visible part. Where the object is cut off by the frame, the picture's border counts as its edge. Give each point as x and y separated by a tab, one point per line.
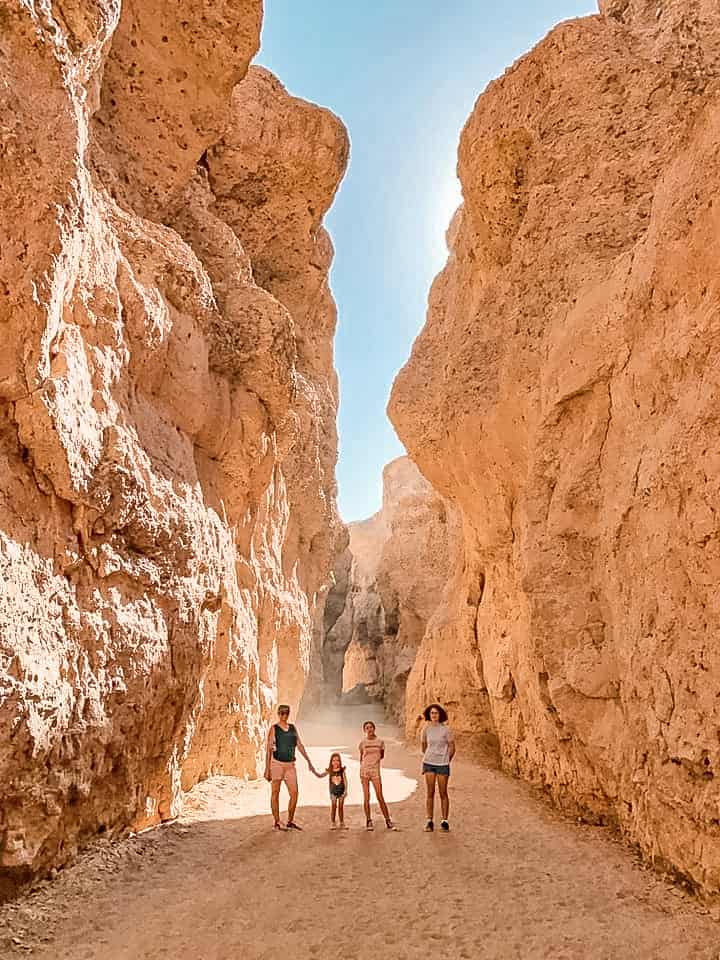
441	710
372	724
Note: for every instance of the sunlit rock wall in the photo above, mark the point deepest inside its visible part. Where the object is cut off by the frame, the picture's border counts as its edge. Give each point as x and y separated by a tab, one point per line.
167	409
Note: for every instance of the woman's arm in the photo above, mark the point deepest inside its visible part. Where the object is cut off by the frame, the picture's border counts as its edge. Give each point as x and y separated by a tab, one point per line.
423	741
269	747
451	743
303	751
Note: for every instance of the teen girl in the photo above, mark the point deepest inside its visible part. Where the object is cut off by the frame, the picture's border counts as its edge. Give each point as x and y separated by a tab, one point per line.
438	744
372	751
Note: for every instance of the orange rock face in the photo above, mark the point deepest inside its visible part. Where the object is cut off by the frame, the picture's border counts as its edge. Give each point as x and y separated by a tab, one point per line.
167	410
563	394
394	572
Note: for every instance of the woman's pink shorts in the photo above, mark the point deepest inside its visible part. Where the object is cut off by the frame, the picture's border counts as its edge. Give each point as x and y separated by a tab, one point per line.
279	770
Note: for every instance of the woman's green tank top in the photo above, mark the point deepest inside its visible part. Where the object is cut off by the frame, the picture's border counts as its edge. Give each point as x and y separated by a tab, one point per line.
285	743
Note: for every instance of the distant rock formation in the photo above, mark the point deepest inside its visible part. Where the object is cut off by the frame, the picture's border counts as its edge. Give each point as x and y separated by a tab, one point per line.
167	409
393	571
564	395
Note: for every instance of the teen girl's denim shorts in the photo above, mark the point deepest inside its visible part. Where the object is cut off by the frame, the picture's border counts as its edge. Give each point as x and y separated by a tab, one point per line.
443	769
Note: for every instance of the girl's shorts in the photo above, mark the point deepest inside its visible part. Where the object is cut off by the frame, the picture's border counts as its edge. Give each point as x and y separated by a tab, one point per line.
442	769
371	776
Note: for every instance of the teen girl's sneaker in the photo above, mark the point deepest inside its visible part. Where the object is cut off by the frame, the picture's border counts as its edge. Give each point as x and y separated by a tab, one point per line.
429	826
445	826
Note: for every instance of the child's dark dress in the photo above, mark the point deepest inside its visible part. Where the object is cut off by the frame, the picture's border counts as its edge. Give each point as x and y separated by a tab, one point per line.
337	784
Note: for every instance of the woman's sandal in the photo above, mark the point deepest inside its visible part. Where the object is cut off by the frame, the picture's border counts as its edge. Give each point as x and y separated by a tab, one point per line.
292	826
369	825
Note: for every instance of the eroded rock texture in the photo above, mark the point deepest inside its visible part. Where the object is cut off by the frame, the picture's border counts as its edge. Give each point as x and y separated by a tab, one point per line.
394	572
564	395
167	409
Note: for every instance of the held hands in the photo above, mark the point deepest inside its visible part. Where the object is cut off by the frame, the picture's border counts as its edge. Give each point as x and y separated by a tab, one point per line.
267	774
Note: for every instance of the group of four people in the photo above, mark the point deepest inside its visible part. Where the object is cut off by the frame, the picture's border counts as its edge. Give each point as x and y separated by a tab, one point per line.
283	741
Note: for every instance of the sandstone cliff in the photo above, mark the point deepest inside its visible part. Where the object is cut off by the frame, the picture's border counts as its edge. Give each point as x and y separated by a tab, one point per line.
394	572
167	409
563	394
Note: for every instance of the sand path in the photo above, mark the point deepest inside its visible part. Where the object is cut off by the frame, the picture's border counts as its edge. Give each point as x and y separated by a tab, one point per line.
513	880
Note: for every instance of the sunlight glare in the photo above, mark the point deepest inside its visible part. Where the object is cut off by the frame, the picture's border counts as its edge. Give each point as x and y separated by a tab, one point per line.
445	202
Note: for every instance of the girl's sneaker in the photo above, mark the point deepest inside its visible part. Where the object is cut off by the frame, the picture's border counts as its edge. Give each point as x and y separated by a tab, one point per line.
429	826
369	825
390	825
333	825
445	826
344	826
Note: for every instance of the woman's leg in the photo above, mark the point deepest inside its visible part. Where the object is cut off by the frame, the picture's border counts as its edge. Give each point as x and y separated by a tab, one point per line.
333	810
442	783
366	797
430	795
275	800
292	802
377	784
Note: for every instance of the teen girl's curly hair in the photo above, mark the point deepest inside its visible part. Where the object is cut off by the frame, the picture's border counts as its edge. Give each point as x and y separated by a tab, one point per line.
441	710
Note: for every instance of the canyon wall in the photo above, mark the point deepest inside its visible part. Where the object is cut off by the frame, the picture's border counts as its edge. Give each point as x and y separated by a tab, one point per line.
393	571
167	409
564	395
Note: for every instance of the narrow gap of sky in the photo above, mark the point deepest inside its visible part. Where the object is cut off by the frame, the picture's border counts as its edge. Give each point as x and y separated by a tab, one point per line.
403	75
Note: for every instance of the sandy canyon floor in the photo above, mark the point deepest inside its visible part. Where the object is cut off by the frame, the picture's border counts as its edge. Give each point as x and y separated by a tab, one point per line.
513	880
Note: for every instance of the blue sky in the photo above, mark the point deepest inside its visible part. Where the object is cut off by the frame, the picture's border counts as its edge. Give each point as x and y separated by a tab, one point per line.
403	75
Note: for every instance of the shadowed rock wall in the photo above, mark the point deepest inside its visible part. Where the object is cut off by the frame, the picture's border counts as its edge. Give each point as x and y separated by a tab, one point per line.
564	394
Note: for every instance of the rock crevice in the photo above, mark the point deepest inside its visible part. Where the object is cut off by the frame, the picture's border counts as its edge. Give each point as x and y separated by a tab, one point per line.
389	581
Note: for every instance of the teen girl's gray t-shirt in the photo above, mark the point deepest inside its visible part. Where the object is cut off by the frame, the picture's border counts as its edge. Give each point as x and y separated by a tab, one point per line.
438	738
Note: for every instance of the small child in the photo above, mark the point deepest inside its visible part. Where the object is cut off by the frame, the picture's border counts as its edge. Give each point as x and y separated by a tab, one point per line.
338	789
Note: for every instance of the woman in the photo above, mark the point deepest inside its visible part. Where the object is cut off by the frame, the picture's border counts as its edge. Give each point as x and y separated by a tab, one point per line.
438	744
372	751
282	741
